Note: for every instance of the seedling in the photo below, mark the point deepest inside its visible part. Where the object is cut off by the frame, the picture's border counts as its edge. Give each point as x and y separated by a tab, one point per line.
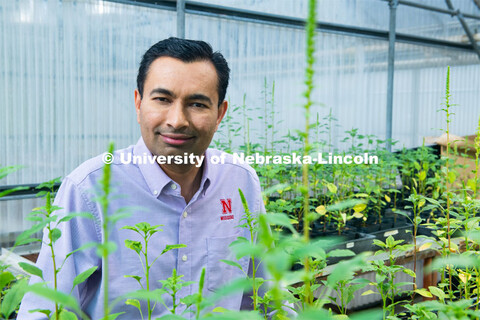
386	274
146	231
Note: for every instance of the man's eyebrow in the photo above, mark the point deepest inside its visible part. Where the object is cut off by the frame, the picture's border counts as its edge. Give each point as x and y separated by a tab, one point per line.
162	91
199	96
195	96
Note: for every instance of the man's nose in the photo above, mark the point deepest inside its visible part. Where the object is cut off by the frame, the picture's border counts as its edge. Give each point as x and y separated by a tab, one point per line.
177	117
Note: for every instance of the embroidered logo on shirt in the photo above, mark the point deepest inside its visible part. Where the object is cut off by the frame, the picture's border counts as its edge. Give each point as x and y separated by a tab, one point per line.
226	209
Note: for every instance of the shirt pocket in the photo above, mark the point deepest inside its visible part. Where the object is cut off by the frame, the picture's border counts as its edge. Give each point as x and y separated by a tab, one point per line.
219	273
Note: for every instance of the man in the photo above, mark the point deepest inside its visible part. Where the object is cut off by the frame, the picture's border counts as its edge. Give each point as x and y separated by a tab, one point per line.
179	102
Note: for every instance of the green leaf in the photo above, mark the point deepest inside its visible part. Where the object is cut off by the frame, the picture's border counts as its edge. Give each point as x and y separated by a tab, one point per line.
134	302
220	310
153	295
459	261
345	270
340	253
171	317
423	292
313	315
368	292
437	292
361	206
72	215
134	245
232	263
110	247
55	235
118	216
169	247
5	278
44	311
345	204
55	296
422	175
332	188
30	268
234	286
83	276
67	315
367	315
138	278
13	297
24	237
7	192
112	316
451	176
280	219
409	272
243	248
86	246
190	299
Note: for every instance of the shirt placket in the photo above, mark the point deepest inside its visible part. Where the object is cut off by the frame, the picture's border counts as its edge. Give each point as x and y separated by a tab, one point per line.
185	257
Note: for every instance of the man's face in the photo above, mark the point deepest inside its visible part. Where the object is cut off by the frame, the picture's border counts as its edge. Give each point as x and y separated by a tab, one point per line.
179	110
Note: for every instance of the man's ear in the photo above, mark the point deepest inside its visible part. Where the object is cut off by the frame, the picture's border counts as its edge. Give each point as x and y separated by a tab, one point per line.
138	102
222	109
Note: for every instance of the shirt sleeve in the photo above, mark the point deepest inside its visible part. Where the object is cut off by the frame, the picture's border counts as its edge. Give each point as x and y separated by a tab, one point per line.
74	234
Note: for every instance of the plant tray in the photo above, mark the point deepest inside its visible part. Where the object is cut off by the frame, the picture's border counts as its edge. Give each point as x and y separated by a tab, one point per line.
355	241
404	232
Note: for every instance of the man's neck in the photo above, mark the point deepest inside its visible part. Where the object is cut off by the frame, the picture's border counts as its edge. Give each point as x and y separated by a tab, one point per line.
188	177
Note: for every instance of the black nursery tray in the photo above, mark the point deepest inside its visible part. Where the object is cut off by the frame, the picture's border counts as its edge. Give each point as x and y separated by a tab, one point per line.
357	242
404	232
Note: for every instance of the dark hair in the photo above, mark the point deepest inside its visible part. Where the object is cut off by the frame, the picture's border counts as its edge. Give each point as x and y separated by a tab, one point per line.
186	51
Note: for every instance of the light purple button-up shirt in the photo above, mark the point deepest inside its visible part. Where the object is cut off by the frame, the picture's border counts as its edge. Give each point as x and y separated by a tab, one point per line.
206	225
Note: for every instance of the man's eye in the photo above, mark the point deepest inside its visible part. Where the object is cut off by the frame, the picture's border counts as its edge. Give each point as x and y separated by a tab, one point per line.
199	105
161	99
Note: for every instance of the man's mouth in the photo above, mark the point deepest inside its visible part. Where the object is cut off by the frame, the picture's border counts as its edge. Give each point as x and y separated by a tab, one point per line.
176	139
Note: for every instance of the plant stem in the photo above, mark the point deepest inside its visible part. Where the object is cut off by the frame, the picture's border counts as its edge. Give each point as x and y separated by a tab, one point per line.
309	72
48	210
147	278
447	109
105	185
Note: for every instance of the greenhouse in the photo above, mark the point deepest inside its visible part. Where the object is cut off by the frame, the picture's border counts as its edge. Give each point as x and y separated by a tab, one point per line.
240	159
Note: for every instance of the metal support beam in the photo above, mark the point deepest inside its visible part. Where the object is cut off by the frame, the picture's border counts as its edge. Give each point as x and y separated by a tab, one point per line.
26	191
435	9
181	18
393	4
292	22
465	27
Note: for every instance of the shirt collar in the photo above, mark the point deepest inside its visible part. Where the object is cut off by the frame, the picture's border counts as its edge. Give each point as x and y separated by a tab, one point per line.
157	179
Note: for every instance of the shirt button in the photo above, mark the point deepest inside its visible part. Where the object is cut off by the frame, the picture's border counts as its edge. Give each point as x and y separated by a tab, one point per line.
174	186
184	258
185	214
155	192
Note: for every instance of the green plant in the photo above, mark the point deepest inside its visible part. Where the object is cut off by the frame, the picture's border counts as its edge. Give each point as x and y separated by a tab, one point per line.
345	290
146	231
386	274
12	288
450	175
309	72
172	285
45	217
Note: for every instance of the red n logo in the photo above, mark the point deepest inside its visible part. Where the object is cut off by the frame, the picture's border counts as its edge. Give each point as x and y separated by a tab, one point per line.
226	205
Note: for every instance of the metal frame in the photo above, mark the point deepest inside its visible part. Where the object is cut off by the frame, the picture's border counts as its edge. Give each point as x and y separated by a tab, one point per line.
192	7
29	191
